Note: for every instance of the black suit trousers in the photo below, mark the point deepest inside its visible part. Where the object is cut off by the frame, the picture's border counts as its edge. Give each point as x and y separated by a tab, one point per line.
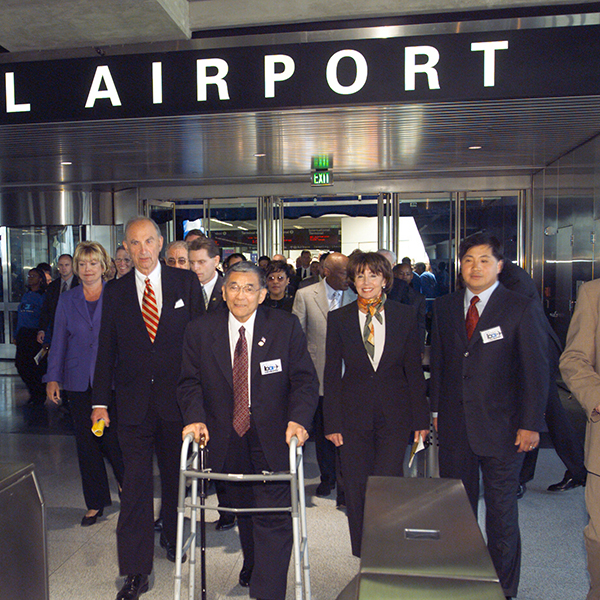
266	538
500	482
378	452
135	529
92	450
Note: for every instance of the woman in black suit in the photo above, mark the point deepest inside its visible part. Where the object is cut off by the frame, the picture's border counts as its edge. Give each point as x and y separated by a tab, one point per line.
374	384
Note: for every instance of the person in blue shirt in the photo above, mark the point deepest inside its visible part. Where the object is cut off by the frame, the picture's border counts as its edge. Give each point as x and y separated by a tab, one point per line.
28	319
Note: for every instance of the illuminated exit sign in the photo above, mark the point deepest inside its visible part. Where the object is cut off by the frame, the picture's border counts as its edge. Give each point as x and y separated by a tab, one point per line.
322	178
320	165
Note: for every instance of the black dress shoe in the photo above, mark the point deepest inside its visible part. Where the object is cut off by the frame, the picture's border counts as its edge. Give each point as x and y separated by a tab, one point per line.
225	522
568	483
158	524
134	587
324	489
521	490
170	548
245	576
340	501
87	521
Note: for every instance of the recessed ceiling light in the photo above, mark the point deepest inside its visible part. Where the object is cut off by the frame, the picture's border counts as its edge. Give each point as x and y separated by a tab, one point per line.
66	162
474	147
259	154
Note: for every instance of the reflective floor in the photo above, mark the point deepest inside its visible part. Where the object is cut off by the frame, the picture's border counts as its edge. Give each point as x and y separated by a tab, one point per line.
82	561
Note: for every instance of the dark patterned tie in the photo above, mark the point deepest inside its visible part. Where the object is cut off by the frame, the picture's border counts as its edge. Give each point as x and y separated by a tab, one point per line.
63	287
472	316
241	397
150	310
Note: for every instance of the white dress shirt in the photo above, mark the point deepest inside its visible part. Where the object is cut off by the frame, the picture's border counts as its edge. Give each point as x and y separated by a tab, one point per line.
234	335
483	298
155	281
378	333
209	286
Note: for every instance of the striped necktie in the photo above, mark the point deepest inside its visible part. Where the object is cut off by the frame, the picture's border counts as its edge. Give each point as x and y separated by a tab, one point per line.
241	396
150	310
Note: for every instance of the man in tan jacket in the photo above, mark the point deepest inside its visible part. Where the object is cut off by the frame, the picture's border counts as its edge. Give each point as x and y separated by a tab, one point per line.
580	369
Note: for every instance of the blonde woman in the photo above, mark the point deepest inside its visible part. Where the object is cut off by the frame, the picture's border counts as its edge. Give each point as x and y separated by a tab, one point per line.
71	363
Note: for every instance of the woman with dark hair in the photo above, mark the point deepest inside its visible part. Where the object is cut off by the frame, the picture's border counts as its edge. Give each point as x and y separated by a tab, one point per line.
278	275
374	385
71	364
28	324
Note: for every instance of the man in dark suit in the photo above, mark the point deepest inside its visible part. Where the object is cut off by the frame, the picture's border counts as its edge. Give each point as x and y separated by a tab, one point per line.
248	385
489	383
64	283
144	315
204	259
564	438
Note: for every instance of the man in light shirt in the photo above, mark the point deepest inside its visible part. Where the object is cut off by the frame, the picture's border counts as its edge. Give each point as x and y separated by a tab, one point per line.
312	305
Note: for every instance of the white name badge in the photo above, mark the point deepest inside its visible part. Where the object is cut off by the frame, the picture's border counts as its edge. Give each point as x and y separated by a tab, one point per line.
271	366
492	335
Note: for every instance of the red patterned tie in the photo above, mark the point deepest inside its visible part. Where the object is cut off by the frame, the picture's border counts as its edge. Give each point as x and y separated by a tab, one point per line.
241	397
472	316
150	310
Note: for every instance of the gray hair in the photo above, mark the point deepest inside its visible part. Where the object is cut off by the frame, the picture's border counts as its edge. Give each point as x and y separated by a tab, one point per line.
139	219
177	244
247	267
391	256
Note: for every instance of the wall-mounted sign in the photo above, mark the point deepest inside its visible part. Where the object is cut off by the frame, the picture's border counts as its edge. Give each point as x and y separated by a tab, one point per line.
321	178
523	63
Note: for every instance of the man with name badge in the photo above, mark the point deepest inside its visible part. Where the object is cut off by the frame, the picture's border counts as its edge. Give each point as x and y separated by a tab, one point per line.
248	385
489	383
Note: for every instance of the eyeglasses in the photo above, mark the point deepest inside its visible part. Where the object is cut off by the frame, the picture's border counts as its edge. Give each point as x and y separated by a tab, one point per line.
249	288
280	278
123	260
180	261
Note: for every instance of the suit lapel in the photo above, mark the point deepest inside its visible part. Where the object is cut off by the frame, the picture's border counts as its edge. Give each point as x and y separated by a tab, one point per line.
168	300
457	316
80	304
220	347
491	315
262	338
321	298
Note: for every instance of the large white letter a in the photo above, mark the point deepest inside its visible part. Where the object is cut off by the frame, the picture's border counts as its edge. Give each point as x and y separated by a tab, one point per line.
103	75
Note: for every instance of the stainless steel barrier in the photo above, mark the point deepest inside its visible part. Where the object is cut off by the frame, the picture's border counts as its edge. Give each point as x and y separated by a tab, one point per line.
421	541
23	547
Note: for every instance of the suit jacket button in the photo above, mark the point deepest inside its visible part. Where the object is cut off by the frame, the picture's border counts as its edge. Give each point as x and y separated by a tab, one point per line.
466	377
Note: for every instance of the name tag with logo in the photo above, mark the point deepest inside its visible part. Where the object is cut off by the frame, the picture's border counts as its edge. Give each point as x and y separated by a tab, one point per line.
271	366
492	335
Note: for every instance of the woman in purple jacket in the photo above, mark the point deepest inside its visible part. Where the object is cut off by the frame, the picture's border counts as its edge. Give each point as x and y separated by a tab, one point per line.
71	365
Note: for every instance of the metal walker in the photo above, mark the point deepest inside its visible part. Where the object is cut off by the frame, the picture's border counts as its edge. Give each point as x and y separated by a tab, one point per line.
193	469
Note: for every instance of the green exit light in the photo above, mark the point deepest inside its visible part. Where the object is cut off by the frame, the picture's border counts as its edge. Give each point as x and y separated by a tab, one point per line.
322	161
322	178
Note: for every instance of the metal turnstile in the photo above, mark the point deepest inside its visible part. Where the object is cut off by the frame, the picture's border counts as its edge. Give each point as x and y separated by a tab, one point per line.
421	541
23	547
192	470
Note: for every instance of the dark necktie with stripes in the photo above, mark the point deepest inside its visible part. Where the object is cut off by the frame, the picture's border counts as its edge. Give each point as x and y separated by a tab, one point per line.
241	396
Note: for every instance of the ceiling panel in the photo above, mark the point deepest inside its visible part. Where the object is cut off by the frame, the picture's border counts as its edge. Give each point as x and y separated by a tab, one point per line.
369	142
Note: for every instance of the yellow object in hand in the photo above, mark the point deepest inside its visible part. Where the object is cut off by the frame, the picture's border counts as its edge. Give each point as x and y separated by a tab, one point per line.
98	428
